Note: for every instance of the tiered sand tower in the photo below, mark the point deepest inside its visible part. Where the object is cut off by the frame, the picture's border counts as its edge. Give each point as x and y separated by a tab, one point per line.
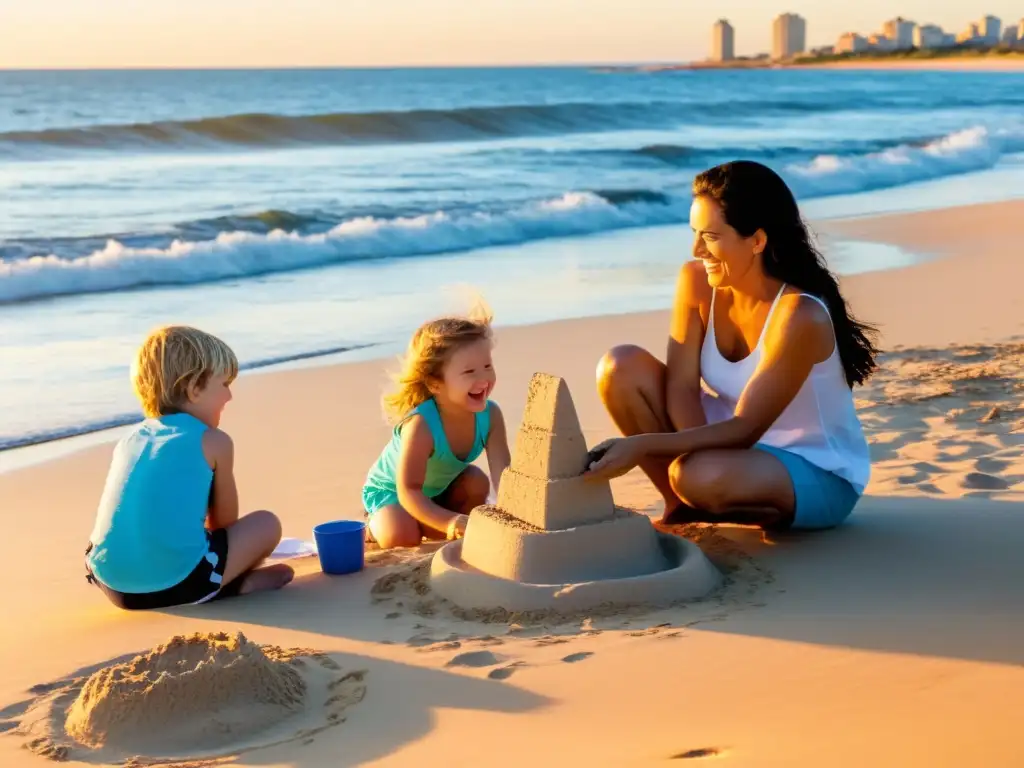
556	539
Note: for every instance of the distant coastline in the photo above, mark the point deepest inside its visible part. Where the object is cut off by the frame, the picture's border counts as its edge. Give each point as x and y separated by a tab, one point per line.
959	58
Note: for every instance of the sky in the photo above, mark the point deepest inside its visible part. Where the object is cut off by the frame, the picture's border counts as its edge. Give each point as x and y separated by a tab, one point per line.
286	33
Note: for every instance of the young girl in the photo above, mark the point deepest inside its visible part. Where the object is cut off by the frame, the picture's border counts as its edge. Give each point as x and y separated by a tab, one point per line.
424	483
167	530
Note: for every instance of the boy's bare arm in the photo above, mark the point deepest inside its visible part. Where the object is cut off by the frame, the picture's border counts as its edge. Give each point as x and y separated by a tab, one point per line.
220	453
498	454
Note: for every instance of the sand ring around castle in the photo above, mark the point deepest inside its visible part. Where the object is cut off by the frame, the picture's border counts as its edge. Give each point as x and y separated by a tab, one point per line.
197	696
689	576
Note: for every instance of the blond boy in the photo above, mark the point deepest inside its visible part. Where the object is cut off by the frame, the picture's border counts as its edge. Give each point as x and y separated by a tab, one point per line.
167	529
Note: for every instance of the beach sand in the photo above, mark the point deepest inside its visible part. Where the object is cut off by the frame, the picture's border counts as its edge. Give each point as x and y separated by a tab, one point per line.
894	640
1006	63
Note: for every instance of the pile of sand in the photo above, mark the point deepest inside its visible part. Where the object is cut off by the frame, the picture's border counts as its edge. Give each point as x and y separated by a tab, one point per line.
196	695
194	692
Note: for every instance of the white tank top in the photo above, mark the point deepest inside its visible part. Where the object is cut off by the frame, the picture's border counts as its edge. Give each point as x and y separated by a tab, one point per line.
820	424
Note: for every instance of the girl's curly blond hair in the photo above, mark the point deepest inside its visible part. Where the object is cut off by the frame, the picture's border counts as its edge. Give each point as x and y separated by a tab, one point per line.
430	348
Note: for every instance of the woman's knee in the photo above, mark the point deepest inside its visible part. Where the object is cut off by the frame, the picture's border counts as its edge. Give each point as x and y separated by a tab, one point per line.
701	480
624	365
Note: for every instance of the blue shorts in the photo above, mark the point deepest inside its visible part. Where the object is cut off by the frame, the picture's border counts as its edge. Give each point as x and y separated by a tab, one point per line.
823	498
375	498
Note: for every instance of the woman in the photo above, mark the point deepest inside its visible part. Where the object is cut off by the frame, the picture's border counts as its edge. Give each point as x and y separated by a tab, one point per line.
772	438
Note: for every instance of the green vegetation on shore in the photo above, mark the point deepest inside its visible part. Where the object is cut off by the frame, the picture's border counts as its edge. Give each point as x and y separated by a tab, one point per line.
912	54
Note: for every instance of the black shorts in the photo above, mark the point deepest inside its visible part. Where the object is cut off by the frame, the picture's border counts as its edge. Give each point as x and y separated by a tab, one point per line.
201	586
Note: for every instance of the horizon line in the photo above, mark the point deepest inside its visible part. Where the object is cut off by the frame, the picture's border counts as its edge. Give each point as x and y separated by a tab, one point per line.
307	67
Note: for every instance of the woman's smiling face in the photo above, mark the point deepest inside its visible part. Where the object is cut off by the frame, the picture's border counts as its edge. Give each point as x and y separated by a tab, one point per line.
727	255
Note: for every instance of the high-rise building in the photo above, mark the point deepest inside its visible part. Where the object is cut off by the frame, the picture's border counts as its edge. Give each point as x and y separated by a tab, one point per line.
851	42
988	29
723	41
971	34
929	36
900	32
789	35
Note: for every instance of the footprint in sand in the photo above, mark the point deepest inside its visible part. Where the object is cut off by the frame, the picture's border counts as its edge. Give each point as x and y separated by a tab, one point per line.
504	673
475	659
656	629
550	640
980	481
991	466
572	658
447	645
487	641
423	639
695	754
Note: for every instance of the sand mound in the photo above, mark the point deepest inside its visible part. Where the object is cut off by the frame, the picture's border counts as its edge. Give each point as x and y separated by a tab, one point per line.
200	695
200	691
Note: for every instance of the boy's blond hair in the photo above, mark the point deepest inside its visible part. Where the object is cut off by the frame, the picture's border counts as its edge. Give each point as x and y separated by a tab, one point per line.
174	358
430	348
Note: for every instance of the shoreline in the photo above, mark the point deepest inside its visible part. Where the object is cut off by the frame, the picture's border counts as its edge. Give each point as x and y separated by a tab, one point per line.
865	228
950	64
1013	62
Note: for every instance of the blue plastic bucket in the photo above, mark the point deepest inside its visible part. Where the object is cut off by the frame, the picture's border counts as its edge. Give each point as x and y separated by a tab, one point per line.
339	545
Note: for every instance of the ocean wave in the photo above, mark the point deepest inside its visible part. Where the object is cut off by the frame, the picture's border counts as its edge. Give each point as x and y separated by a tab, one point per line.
972	149
413	126
259	130
238	254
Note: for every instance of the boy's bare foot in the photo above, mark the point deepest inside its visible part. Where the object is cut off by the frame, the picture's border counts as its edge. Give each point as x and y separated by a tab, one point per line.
268	578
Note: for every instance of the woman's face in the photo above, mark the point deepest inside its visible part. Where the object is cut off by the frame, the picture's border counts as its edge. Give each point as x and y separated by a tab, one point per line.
727	256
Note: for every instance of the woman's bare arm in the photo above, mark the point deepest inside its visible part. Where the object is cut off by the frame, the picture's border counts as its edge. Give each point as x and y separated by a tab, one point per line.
800	338
686	335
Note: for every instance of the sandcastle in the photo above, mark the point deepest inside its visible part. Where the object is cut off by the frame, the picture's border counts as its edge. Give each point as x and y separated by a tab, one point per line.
555	539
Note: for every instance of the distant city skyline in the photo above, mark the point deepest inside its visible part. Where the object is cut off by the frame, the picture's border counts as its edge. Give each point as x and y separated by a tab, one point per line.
270	33
789	37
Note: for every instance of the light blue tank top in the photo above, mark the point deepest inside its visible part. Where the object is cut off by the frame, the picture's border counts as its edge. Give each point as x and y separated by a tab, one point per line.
443	466
150	526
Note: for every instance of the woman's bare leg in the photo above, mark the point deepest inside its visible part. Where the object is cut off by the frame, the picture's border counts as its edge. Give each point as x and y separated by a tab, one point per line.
631	383
746	487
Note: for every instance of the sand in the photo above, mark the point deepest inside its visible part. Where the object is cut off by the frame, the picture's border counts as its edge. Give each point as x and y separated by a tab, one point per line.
194	697
892	641
1012	63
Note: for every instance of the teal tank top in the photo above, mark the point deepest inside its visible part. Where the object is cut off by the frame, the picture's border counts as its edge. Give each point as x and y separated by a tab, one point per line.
443	466
150	526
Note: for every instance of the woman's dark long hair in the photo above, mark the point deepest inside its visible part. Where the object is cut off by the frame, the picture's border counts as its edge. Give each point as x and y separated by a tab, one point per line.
753	197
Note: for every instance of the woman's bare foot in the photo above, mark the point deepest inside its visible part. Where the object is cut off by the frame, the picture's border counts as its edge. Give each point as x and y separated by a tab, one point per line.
266	579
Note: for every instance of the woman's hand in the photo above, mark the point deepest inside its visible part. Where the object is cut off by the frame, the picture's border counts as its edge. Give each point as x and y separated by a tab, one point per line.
616	457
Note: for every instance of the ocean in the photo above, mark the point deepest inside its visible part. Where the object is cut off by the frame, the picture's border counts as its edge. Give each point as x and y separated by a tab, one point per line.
311	215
